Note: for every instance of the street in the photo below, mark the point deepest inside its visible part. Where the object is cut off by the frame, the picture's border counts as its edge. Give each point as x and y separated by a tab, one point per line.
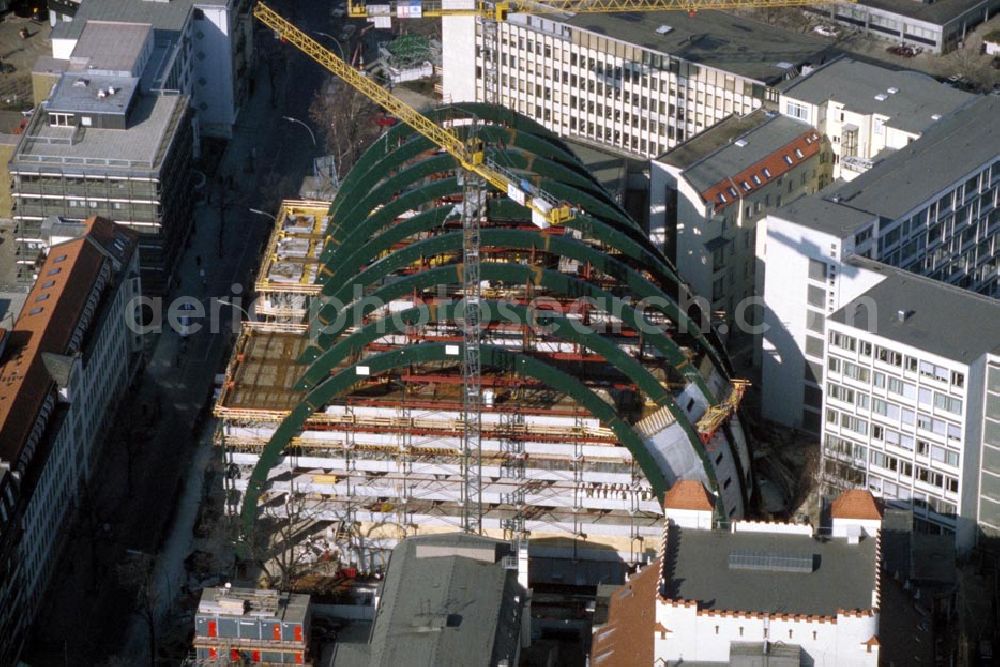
163	431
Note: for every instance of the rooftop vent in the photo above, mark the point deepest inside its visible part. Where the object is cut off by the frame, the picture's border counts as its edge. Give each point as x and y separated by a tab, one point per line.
111	90
101	94
935	116
903	315
664	30
740	142
80	83
892	90
784	65
881	97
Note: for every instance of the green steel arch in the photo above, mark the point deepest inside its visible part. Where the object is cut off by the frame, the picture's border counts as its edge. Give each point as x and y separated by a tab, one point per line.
510	238
557	325
492	357
328	324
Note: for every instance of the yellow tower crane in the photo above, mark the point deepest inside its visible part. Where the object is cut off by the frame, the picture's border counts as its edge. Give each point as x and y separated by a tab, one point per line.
498	11
470	154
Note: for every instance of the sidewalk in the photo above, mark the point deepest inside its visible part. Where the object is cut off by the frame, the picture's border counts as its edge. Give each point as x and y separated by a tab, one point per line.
87	613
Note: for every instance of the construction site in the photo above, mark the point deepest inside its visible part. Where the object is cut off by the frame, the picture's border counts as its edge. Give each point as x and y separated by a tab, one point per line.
428	355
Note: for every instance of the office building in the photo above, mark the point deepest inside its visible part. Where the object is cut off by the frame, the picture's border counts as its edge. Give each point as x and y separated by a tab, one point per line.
709	193
905	397
252	626
938	27
203	50
108	143
929	208
758	593
452	599
639	83
63	368
583	473
867	111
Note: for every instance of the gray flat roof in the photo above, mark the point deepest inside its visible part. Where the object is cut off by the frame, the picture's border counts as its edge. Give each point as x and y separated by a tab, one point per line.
78	93
169	16
439	608
843	575
818	213
739	45
722	133
141	146
723	158
112	46
855	85
945	320
950	148
939	12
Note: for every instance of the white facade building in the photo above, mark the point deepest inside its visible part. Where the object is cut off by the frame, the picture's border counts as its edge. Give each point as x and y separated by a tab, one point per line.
69	358
903	398
940	222
638	83
708	194
203	50
865	109
755	591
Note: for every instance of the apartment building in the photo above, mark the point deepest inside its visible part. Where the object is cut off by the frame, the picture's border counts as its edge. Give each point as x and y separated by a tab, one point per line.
108	143
756	594
63	367
938	27
203	50
639	83
939	222
904	400
709	193
865	110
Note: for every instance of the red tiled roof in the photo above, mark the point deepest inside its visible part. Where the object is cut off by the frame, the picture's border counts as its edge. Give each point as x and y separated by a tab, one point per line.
808	144
46	324
688	494
855	504
627	639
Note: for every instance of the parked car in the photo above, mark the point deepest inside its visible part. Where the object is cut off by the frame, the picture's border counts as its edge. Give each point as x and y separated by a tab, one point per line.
826	31
904	50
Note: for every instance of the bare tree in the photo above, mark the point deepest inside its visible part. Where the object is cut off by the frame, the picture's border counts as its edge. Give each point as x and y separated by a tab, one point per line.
136	575
279	543
347	122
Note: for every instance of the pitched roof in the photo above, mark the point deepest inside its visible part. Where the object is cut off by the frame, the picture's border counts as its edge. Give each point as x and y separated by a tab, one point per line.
688	494
50	315
627	639
855	504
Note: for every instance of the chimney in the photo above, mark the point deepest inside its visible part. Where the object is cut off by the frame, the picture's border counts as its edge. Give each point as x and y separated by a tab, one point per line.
903	315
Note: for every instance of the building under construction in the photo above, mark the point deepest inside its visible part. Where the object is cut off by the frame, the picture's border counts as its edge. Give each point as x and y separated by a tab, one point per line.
597	390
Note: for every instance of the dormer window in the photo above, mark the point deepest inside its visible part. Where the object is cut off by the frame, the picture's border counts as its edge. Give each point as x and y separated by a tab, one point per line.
734	193
788	160
756	179
798	153
767	173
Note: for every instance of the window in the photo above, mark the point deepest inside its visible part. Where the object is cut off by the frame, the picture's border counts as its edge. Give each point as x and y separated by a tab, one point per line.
957	379
814	347
817	270
815	321
86	121
59	119
796	110
816	296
